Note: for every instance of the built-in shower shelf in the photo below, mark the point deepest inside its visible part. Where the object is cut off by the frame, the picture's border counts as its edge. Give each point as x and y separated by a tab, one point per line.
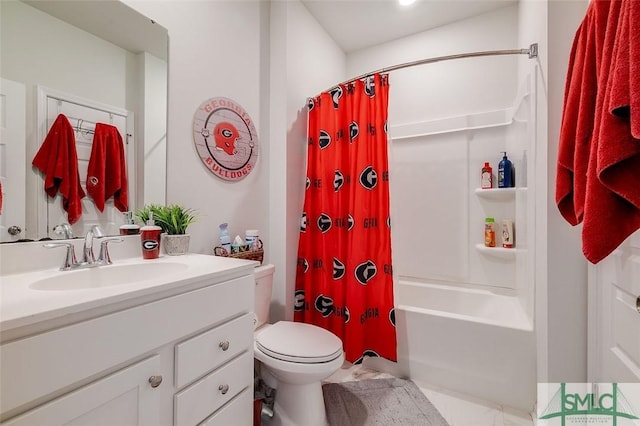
496	194
503	253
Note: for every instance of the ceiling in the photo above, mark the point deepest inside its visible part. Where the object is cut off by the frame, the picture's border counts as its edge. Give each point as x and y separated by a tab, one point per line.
357	24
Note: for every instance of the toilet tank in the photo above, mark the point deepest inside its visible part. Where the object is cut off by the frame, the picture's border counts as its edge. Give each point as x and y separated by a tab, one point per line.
264	285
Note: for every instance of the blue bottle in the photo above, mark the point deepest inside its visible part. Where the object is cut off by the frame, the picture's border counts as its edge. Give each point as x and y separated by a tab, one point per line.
505	172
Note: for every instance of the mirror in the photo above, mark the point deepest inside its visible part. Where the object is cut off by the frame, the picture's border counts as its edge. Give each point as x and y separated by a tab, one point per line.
104	52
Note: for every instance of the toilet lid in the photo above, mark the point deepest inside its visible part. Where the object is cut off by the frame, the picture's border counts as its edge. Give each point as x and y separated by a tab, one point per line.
299	342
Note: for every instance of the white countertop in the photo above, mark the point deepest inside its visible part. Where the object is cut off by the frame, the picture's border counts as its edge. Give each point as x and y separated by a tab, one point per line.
23	306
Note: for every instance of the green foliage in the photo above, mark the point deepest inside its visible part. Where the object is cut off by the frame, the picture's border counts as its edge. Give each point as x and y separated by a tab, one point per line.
173	219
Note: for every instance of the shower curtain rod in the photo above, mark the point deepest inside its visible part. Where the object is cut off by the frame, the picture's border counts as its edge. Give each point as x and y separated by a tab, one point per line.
532	51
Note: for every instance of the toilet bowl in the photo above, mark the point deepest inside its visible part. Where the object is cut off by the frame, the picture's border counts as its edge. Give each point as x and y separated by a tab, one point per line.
293	358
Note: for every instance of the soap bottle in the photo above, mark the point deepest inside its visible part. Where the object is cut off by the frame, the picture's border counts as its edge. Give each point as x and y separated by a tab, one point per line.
150	237
225	240
505	172
487	176
252	238
129	228
489	232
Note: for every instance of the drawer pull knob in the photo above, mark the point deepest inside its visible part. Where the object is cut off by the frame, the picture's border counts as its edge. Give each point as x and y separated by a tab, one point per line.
223	389
224	345
155	381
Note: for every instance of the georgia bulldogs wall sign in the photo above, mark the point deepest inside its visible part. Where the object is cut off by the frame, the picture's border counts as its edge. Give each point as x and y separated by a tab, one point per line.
225	138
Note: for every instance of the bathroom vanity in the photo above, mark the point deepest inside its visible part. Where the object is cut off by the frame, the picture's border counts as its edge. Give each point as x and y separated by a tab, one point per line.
136	347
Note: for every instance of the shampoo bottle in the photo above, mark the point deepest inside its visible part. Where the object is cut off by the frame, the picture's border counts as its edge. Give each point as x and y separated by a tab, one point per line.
150	237
505	172
487	176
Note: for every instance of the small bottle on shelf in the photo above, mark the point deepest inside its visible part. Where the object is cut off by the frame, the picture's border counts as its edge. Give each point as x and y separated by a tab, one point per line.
507	234
487	176
489	232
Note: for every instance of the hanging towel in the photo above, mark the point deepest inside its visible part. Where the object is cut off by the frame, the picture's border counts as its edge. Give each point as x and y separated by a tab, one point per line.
58	160
606	194
107	170
577	124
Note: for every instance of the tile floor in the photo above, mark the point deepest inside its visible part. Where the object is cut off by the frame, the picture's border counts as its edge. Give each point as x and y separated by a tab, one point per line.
457	409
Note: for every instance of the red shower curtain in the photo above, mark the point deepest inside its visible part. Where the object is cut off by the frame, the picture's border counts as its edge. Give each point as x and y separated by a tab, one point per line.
344	278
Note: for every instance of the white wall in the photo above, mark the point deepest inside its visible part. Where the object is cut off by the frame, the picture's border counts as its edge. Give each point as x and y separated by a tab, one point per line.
214	50
566	271
452	87
305	61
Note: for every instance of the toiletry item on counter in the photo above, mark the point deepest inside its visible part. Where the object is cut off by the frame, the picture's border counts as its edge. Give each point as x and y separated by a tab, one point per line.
507	234
252	238
489	232
239	246
225	239
505	172
150	237
487	176
129	228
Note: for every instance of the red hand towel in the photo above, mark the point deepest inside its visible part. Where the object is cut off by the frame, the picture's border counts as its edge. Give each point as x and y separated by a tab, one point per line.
58	160
107	171
612	207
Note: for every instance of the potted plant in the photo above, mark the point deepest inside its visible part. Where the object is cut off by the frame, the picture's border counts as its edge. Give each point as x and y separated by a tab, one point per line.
174	220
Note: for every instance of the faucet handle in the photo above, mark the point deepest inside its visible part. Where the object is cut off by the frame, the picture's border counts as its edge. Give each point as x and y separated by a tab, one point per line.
103	256
70	259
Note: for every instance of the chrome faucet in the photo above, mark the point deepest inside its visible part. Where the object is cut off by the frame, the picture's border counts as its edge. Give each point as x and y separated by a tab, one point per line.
88	259
87	249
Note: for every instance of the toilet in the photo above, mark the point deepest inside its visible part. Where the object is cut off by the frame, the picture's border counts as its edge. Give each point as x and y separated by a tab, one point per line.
293	358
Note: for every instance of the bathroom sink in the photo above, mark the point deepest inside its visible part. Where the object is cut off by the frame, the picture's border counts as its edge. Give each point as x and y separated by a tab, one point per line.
107	276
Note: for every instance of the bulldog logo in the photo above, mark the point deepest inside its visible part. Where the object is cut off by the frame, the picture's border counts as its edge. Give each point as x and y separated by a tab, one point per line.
351	222
364	272
338	269
311	104
324	305
336	94
392	317
370	86
369	178
324	140
354	130
338	180
324	222
303	222
298	301
225	135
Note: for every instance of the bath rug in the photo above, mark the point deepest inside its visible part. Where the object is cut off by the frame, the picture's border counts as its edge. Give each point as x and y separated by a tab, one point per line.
379	402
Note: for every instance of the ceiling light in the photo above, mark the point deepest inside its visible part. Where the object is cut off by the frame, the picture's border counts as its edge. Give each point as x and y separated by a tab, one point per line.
406	2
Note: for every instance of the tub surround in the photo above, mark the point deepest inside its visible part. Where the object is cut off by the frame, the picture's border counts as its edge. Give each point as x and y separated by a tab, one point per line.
114	351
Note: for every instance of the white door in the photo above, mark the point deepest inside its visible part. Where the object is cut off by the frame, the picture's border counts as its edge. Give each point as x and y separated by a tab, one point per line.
83	114
614	315
12	160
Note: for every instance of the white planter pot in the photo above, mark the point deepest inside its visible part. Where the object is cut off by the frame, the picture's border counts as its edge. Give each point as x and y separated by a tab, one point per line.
175	245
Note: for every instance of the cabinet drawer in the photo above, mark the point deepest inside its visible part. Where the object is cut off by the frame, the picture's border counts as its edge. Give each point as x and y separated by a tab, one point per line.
203	353
238	412
201	399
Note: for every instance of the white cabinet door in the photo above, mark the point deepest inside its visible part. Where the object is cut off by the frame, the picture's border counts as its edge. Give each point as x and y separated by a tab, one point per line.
614	315
12	159
123	398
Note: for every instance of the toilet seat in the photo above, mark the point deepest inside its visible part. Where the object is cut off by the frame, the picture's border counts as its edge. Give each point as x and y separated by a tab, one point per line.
299	342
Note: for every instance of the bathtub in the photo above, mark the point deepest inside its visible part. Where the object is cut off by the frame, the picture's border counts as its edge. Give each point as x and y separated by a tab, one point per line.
470	341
